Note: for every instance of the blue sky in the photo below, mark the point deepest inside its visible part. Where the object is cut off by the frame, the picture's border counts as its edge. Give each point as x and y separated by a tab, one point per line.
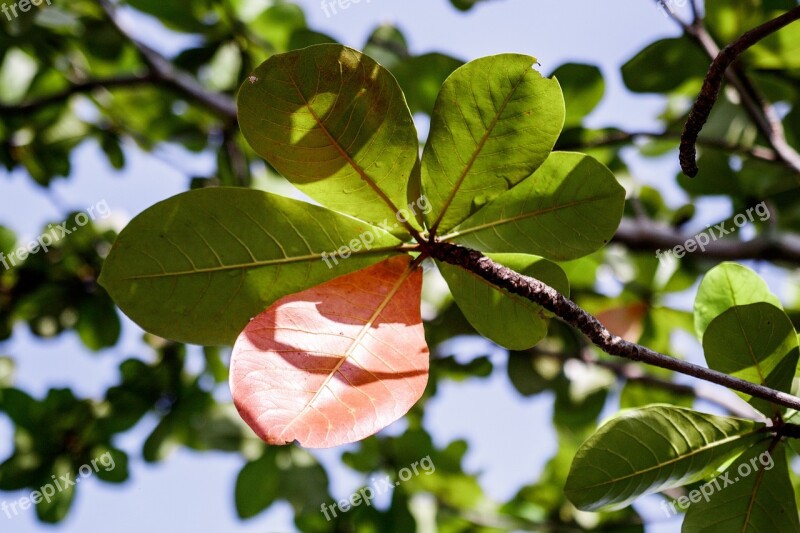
510	437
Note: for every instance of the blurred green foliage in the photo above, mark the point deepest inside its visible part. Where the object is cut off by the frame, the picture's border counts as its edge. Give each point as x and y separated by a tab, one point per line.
68	77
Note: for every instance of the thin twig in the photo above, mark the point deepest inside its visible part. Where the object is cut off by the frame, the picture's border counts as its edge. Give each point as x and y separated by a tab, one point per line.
648	236
696	18
711	87
165	72
633	373
568	311
77	88
622	137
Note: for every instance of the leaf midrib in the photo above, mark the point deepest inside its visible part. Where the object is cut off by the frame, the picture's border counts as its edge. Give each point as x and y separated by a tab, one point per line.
501	221
257	264
355	166
478	149
753	496
353	345
671	461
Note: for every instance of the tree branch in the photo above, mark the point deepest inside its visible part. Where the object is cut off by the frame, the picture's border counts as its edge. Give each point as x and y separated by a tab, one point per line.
166	74
648	236
633	373
568	311
622	137
696	18
77	88
161	72
763	114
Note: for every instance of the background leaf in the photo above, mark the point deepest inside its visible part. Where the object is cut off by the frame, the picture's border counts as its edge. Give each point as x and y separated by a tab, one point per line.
198	266
583	87
666	65
568	208
495	121
335	363
421	78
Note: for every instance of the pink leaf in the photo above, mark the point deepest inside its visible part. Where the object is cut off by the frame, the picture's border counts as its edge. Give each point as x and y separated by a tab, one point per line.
335	363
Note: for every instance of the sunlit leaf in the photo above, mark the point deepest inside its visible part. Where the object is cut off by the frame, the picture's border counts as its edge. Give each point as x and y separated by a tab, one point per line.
335	363
335	124
626	321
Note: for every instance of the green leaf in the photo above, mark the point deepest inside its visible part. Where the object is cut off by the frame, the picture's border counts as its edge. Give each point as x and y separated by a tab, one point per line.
760	498
653	449
98	325
184	18
464	5
277	23
56	508
7	241
21	408
387	45
421	78
778	51
665	66
726	285
111	464
639	394
495	121
570	207
257	485
757	343
531	374
583	88
507	319
198	266
335	124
